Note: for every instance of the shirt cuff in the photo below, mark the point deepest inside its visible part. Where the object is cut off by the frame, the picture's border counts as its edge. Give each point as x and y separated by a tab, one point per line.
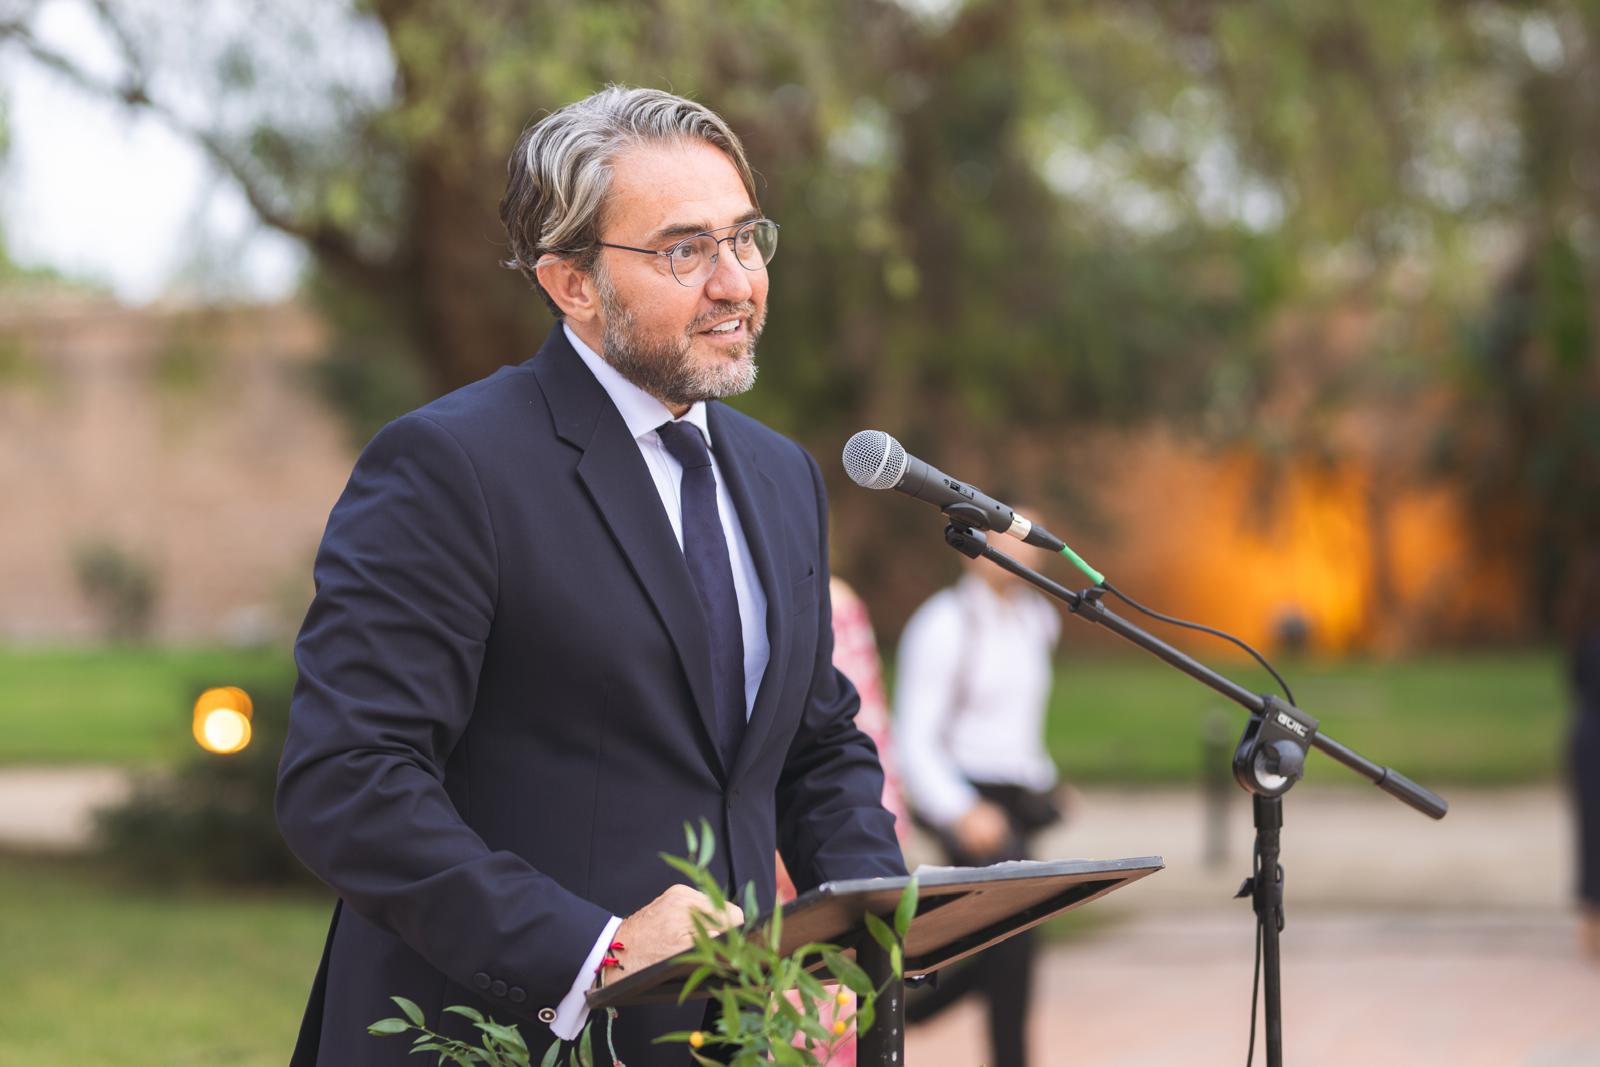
573	1011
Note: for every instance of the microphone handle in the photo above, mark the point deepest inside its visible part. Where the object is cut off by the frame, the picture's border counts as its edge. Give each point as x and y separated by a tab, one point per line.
932	485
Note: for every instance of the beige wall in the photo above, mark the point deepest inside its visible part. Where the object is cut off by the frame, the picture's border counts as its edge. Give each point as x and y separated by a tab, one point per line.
189	438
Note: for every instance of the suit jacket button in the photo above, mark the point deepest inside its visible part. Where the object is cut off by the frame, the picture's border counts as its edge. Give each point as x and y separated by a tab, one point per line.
517	994
480	980
547	1015
498	988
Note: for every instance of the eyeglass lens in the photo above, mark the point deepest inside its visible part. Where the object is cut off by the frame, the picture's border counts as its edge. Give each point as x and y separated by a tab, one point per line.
753	246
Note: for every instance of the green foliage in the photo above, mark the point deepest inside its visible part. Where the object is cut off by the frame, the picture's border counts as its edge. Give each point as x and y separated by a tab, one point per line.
120	585
212	819
771	1003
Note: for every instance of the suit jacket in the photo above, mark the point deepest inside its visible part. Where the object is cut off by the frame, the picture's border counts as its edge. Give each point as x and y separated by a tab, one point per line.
503	712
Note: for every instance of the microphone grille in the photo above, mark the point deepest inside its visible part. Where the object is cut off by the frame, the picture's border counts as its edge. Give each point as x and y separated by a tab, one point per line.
874	460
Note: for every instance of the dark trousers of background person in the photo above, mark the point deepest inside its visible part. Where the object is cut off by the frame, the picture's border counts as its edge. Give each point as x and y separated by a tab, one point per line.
1003	973
1585	769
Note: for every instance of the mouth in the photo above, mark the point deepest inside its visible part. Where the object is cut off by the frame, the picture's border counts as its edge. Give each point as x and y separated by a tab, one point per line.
734	328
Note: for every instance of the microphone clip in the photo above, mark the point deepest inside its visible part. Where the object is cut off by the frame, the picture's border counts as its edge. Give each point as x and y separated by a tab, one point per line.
966	515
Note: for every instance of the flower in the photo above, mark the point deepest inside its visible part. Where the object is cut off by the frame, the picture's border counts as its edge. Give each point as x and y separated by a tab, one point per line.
696	1039
839	1028
843	998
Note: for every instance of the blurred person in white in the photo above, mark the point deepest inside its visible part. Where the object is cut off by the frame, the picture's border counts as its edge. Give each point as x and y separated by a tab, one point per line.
972	685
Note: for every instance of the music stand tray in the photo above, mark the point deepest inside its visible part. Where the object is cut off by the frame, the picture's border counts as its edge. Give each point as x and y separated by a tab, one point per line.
960	911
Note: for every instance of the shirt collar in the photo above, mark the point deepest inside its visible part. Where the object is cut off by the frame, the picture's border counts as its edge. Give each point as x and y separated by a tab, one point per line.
642	413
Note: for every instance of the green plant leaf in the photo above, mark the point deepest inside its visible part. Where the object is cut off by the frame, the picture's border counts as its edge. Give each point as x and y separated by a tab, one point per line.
880	931
553	1053
388	1026
775	928
681	865
787	1009
461	1009
676	1035
509	1035
896	961
907	909
700	974
866	1015
728	1019
413	1012
810	986
847	971
708	843
786	1055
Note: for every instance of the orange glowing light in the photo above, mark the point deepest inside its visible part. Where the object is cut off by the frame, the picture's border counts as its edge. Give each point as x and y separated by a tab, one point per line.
222	720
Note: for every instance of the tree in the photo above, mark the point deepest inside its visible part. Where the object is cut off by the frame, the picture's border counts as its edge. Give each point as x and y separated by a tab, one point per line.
1003	222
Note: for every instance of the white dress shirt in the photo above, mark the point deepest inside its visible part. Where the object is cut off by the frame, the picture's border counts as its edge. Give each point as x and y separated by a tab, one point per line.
972	682
643	414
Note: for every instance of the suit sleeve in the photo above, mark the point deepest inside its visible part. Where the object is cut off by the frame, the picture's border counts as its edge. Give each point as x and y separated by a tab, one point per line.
831	820
388	658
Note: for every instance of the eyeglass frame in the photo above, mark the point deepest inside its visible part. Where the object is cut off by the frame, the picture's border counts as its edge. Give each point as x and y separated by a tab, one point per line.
737	228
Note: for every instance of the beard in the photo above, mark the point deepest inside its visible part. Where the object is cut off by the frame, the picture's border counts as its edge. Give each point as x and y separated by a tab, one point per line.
665	366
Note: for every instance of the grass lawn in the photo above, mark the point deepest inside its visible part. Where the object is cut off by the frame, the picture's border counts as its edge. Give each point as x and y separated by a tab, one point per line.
100	973
1489	718
128	706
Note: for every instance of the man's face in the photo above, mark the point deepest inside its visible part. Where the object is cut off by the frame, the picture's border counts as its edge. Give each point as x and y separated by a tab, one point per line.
656	332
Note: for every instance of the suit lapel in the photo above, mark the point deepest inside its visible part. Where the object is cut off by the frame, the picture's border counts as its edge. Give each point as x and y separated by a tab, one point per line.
614	473
755	498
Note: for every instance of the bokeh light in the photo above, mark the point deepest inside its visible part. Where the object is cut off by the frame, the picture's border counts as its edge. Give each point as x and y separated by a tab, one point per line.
222	720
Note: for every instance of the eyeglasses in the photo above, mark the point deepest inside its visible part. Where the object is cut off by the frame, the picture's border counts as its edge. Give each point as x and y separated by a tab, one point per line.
694	259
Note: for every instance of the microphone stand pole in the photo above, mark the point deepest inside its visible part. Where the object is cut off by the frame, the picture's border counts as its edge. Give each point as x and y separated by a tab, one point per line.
1269	759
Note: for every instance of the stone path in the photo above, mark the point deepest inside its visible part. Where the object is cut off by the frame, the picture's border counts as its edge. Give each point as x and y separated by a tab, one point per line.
52	808
1409	942
1412	990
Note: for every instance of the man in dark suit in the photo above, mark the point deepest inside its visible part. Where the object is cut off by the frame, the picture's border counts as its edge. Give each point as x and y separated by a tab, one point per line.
567	609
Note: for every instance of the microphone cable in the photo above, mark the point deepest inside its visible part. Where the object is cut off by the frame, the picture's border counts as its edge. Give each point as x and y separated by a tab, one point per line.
1102	582
1213	631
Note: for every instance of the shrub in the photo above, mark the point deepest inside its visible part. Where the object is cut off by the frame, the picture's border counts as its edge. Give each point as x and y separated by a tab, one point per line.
212	819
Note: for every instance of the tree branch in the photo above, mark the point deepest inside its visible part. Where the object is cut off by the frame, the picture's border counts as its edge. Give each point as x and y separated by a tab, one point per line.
327	242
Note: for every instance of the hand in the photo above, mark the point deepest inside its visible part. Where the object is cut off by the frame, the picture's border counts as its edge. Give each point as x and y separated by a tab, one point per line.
983	830
664	927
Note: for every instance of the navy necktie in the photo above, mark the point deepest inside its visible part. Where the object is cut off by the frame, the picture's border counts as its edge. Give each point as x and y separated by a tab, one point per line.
705	550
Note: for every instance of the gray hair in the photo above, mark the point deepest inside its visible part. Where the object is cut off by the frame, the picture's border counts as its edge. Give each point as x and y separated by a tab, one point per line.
559	175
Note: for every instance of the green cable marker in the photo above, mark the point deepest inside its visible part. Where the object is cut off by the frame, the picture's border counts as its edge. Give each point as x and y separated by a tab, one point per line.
1077	561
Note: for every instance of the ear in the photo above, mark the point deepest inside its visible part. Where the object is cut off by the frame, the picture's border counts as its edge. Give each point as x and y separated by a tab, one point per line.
573	290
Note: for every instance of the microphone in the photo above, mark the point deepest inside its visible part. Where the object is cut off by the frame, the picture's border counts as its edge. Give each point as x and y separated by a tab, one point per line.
874	460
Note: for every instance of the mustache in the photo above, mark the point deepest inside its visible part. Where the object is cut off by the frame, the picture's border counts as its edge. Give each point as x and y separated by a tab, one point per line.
745	308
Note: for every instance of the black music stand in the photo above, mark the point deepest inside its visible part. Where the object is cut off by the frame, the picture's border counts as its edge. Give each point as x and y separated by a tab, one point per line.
960	911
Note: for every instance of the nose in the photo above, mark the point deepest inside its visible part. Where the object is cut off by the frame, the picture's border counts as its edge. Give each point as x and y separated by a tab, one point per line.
729	280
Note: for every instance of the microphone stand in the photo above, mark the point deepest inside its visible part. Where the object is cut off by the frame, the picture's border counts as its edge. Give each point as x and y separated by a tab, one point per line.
1270	757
